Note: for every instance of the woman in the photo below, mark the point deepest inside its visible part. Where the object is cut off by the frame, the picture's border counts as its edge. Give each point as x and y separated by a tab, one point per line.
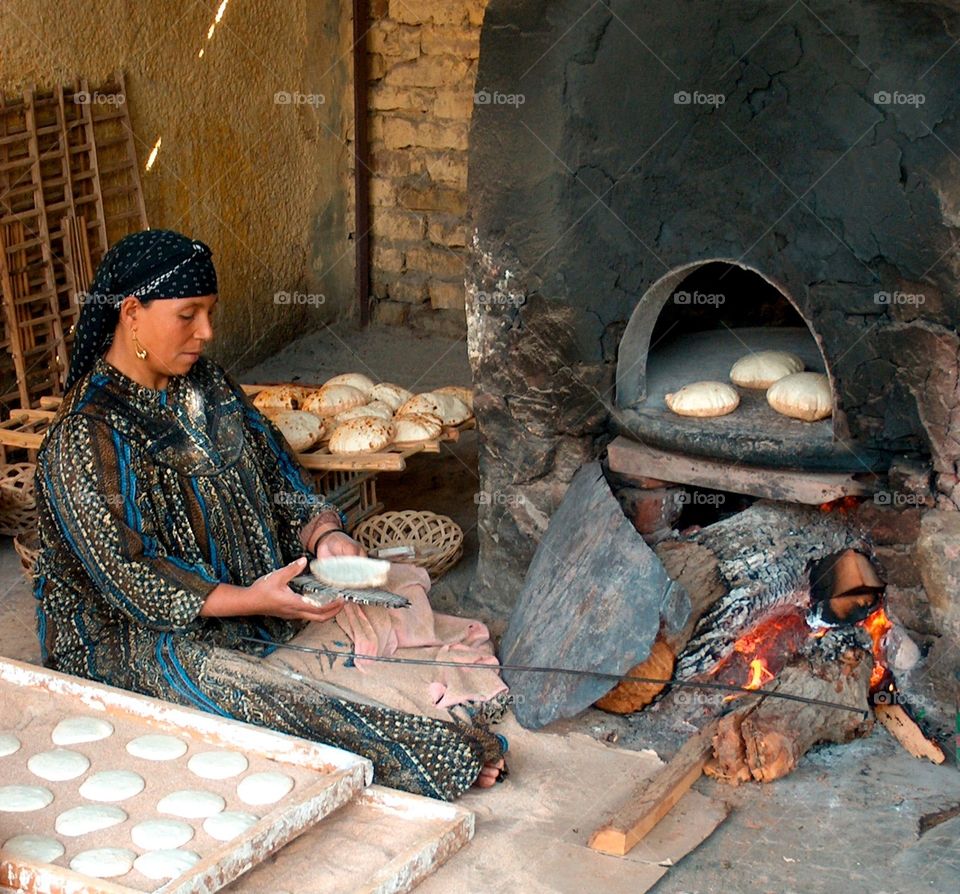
173	515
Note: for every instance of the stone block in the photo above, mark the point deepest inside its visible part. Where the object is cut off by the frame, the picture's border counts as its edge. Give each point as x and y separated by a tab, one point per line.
417	12
408	287
888	525
447	229
398	225
452	40
446	295
447	167
396	163
391	313
403	133
911	476
910	606
383	191
432	197
938	555
898	566
439	262
386	259
393	40
431	71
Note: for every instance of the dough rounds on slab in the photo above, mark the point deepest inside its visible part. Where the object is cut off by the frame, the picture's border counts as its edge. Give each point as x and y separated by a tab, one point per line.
77	730
88	818
351	572
229	824
9	744
58	765
392	395
191	804
112	785
300	429
157	747
416	427
165	863
804	395
333	399
451	410
37	848
459	392
23	798
217	764
264	788
363	435
704	399
282	397
104	862
161	835
762	368
354	380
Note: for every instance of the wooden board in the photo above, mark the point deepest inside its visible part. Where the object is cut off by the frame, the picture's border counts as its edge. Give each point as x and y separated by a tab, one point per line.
326	778
632	459
594	599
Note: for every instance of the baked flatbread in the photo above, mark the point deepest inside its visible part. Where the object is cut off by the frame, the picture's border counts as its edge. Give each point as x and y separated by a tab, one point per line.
704	399
458	391
804	395
450	409
332	399
363	435
392	395
376	408
354	380
300	429
762	368
282	397
416	427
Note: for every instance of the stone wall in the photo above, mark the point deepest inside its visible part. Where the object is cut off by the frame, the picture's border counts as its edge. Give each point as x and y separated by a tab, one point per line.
422	57
259	179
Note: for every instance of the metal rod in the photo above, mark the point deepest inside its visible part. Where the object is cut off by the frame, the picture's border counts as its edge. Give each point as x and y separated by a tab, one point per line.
603	675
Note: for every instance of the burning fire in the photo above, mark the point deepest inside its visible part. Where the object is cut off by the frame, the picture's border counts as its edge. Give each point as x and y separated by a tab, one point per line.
877	625
759	674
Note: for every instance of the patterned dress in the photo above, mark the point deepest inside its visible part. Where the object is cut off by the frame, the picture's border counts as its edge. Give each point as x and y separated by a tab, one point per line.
147	500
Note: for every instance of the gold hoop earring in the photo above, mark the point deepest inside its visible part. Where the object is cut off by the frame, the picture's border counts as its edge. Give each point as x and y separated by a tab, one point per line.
139	350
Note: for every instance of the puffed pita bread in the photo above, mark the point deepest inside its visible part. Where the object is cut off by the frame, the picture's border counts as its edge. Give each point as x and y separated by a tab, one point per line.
354	380
300	429
762	368
704	399
458	391
450	409
352	572
804	395
416	427
363	435
376	408
392	395
332	399
282	397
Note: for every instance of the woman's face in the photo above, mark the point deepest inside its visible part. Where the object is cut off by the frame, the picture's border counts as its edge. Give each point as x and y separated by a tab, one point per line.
175	331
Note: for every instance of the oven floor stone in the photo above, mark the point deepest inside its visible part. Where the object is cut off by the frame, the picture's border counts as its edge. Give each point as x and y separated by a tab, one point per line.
847	820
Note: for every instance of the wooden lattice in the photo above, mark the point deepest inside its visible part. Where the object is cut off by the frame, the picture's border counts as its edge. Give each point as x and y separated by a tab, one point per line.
437	540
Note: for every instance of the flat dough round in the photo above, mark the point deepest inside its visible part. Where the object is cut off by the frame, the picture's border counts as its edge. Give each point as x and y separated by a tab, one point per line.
104	862
112	785
88	818
704	399
161	834
165	864
76	730
229	824
191	804
353	572
37	848
762	368
157	747
804	395
217	764
58	765
9	744
23	798
263	788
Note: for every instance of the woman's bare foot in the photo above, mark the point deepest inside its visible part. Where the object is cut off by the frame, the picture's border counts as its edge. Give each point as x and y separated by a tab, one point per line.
489	773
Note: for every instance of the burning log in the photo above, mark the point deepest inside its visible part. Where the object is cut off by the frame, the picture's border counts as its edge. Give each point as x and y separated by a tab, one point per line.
765	739
745	569
627	697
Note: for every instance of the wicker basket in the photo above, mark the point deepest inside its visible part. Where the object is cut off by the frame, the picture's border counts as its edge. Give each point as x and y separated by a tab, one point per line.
437	540
27	545
18	504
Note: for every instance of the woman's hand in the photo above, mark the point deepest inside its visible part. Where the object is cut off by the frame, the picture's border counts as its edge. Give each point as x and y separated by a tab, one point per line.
274	597
339	544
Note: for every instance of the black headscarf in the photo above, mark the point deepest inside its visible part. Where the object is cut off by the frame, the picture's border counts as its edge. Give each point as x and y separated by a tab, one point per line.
147	265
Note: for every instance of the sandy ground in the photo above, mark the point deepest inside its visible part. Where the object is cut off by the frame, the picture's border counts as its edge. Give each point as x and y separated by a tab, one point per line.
846	821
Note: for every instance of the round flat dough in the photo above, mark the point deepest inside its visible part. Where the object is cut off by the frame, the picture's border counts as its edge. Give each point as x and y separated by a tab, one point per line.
9	744
112	785
76	730
191	804
353	572
88	818
704	399
228	824
161	834
762	368
22	798
38	848
157	747
263	788
804	395
104	862
58	765
165	864
217	764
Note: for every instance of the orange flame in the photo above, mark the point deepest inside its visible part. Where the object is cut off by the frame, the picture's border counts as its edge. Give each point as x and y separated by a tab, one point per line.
759	674
877	624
